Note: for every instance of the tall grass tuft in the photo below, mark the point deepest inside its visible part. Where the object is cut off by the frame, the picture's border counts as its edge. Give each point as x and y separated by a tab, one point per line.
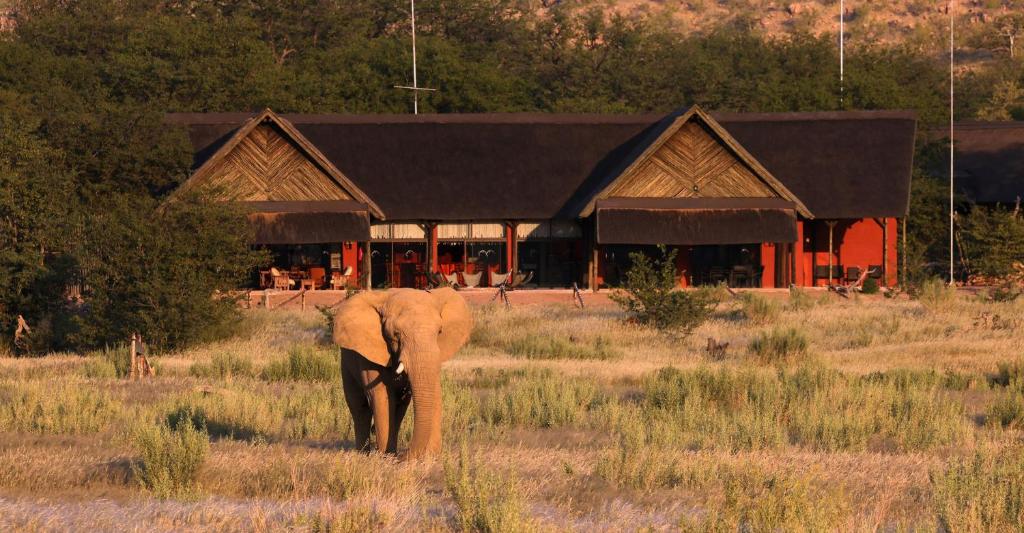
757	309
223	366
984	492
485	501
305	363
118	356
779	346
543	402
169	459
799	300
936	295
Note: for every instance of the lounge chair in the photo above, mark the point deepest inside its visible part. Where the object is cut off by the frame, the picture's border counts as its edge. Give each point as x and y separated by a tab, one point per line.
497	279
339	280
452	279
472	280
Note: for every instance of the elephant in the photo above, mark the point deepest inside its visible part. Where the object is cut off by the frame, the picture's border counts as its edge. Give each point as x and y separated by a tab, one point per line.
392	344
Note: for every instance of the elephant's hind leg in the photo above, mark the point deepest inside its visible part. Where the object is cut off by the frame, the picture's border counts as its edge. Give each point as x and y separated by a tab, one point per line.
355	398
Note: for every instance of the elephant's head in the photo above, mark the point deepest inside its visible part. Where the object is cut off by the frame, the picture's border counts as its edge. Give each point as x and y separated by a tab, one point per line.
414	330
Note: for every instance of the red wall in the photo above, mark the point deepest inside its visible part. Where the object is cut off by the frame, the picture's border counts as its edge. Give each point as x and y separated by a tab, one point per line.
855	243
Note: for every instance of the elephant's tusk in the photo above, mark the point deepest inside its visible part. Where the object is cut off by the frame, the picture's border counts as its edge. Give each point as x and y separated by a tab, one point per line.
400	368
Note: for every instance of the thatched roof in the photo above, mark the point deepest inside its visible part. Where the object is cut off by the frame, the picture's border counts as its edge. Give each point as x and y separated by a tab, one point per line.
539	166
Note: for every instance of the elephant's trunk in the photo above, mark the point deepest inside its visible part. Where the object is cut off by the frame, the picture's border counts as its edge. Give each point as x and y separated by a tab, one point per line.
425	378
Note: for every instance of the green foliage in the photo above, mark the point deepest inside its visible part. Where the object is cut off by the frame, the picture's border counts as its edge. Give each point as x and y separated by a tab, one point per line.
983	492
651	296
119	357
164	273
486	501
169	459
305	363
779	345
870	286
992	240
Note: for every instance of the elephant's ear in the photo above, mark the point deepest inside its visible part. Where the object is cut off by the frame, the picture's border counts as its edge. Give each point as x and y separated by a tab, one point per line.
357	327
456	322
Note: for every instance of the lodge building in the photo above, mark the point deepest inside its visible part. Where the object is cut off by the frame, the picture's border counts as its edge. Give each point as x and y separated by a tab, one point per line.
758	200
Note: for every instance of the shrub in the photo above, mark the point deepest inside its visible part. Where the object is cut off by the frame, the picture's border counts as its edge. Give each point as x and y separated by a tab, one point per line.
1007	410
779	345
485	501
758	309
984	492
304	363
223	365
870	286
651	295
169	459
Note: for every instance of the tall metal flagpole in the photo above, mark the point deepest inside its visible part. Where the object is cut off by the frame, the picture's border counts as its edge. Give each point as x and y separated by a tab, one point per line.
952	215
415	88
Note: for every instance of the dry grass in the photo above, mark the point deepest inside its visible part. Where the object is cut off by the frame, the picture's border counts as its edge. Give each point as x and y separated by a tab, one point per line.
875	414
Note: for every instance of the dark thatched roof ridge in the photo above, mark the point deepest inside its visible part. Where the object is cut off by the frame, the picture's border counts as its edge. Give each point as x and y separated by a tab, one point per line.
537	165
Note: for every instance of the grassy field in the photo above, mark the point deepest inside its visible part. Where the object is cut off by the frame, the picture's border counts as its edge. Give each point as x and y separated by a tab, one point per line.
821	414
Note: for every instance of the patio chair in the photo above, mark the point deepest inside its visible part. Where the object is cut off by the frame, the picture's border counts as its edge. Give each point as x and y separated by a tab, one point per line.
497	279
266	280
282	280
472	280
319	276
739	276
521	278
718	275
452	279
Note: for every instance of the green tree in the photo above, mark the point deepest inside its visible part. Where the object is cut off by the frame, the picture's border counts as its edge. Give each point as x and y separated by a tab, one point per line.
166	273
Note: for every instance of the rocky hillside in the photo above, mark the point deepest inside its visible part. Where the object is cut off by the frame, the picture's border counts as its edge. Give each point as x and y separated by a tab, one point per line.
922	24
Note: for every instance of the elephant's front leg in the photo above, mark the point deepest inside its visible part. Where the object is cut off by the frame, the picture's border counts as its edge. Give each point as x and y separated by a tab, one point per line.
356	398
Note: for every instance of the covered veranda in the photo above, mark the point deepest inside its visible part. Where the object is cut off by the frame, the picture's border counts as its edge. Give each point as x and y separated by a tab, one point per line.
740	242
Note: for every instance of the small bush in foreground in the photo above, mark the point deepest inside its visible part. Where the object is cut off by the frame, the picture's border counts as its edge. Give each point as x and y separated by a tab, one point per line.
170	459
779	345
224	365
486	501
304	364
982	493
651	296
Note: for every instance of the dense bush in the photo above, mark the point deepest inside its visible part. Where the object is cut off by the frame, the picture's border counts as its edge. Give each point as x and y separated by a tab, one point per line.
652	297
164	273
169	459
992	240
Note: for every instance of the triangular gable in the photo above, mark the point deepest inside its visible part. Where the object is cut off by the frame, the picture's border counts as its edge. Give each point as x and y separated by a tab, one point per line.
694	157
268	160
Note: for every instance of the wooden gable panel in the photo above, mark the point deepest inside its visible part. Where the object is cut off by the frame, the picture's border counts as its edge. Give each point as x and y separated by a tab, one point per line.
266	166
692	163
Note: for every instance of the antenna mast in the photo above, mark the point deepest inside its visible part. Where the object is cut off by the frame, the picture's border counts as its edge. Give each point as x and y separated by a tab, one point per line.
415	88
952	214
